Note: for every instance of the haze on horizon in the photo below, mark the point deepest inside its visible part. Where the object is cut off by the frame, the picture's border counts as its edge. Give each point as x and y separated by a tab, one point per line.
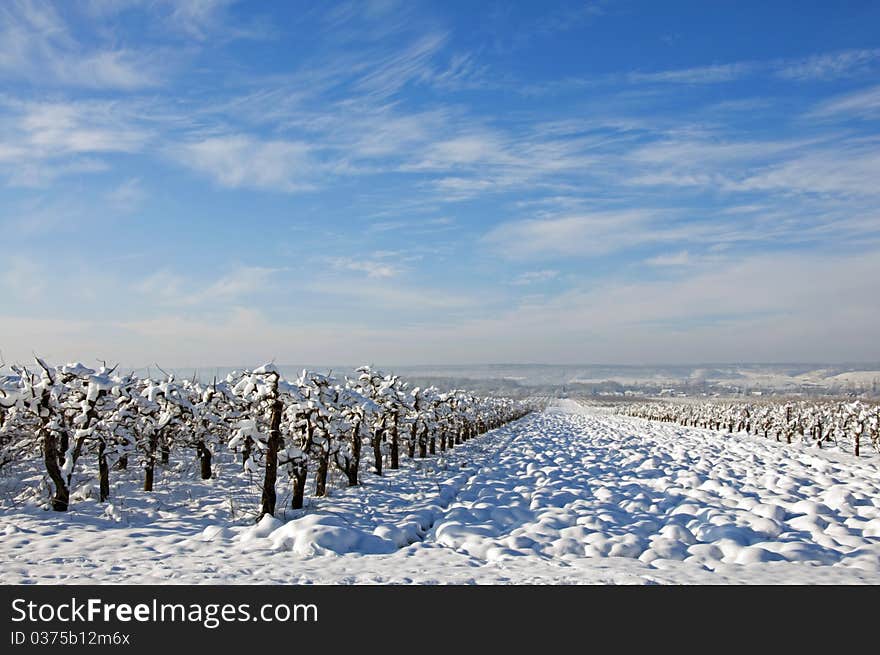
204	183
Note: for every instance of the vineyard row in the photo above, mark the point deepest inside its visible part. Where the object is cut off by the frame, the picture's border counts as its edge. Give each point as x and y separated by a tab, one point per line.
310	425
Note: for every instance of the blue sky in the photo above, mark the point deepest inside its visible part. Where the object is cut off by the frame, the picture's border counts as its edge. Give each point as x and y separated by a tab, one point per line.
209	182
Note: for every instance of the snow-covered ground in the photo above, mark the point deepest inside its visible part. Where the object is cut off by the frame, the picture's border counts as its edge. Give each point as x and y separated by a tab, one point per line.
567	496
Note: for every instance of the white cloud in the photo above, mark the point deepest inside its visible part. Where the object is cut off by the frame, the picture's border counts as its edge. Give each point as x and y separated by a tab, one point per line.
47	140
117	69
827	164
850	169
818	67
383	131
864	103
579	235
197	17
240	160
466	150
567	18
373	268
697	75
37	44
697	153
392	71
40	174
168	288
535	277
54	129
462	187
127	196
830	66
163	286
675	259
239	282
198	20
470	162
415	225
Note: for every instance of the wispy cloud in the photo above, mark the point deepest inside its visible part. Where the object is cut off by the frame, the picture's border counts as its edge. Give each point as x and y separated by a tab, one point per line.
239	282
674	259
688	152
851	169
819	67
829	164
864	103
78	127
197	18
241	160
535	277
822	67
45	140
393	71
507	33
414	225
831	66
39	174
569	17
581	235
372	268
189	19
164	286
127	196
36	43
170	288
698	75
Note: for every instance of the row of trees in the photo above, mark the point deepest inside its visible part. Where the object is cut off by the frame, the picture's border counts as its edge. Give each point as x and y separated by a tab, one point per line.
311	424
848	425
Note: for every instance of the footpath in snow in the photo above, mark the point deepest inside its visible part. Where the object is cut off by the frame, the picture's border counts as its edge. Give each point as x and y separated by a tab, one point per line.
567	496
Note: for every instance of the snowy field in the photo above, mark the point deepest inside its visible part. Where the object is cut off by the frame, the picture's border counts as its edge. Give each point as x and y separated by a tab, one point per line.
566	496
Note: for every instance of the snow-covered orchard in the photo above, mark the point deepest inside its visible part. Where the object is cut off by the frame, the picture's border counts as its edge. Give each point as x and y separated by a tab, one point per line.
846	426
67	417
361	479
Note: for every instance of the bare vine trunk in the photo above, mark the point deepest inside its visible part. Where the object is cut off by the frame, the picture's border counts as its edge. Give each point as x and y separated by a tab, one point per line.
321	474
355	463
299	488
246	451
395	446
301	471
165	452
103	472
61	497
377	450
204	460
423	443
273	443
150	464
413	435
